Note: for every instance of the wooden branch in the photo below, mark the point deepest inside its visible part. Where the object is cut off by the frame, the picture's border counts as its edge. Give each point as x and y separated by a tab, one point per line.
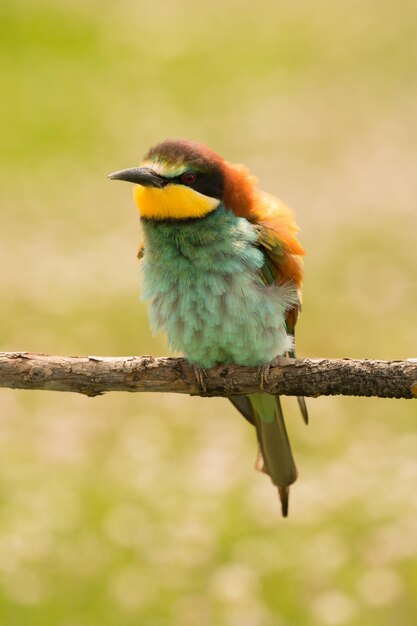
93	375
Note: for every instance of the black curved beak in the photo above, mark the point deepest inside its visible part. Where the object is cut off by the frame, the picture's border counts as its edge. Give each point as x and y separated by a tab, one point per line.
140	176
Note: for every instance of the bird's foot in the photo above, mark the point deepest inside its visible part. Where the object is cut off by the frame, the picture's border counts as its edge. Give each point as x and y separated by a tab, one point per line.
263	373
200	376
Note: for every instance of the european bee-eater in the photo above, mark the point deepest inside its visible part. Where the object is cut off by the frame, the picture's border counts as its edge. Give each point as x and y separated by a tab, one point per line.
222	268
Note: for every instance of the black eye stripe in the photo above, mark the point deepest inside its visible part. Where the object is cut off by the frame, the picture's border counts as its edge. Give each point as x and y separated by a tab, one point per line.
208	183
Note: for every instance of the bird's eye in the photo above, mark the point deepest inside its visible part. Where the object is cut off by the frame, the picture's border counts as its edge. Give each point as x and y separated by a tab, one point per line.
188	178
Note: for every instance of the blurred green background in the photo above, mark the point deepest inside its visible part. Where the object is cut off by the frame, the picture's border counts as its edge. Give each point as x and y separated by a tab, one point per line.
134	509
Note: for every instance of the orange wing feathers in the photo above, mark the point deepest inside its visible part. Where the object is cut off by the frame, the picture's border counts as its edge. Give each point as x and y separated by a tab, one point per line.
242	196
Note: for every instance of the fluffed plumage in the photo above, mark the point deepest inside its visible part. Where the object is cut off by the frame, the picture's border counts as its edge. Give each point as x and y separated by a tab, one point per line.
222	267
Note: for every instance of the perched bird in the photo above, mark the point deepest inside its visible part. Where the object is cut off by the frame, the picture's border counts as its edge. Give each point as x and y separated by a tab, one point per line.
222	268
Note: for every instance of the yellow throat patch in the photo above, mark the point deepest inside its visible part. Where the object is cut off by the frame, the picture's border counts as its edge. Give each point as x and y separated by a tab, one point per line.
172	202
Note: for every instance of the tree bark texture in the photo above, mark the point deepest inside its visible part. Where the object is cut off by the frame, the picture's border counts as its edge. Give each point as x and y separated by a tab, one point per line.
95	375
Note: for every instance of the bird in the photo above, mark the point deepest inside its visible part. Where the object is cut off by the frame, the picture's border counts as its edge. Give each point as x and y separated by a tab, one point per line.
223	270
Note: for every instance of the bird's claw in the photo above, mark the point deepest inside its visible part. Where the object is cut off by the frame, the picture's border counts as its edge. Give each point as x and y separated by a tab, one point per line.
263	373
200	376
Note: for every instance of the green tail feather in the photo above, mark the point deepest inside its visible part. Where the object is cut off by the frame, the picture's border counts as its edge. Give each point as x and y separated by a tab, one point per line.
274	443
300	399
303	408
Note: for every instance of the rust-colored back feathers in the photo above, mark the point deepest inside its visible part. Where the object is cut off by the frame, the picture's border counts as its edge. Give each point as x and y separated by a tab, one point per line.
243	197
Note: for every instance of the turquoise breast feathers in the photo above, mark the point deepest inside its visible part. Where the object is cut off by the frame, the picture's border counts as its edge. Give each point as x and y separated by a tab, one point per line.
202	277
